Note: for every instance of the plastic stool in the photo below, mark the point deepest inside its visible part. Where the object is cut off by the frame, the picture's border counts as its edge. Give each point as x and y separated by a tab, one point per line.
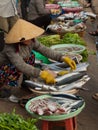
69	124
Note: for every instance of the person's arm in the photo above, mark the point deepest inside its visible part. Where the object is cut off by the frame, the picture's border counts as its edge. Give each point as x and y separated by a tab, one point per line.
40	7
20	64
46	51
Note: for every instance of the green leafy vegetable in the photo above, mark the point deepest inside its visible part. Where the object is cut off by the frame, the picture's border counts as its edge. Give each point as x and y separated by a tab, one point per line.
85	55
72	38
13	121
68	38
50	40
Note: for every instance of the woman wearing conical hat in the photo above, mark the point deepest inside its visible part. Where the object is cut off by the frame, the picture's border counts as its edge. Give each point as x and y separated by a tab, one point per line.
16	57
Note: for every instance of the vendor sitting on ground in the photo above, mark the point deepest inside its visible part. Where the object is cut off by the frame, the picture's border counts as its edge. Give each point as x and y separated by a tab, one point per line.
17	57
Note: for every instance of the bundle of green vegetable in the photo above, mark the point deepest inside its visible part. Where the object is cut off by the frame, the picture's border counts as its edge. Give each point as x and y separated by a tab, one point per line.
68	38
72	38
12	121
50	40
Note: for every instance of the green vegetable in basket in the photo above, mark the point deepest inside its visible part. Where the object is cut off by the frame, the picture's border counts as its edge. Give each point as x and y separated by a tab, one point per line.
72	38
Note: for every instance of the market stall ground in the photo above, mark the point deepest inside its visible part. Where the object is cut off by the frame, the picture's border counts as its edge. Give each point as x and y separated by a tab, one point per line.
87	119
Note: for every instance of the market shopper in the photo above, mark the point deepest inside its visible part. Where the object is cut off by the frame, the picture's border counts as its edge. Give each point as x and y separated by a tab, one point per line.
17	57
8	14
89	3
37	13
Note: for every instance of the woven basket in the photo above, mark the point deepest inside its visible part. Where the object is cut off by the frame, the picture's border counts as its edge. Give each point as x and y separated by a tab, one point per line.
81	34
38	93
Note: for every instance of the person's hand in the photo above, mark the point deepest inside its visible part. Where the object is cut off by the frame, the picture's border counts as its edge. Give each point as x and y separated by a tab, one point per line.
63	72
48	76
70	62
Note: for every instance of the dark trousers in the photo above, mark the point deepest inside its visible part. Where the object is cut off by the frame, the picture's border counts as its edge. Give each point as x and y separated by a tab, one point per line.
89	1
2	43
24	5
42	21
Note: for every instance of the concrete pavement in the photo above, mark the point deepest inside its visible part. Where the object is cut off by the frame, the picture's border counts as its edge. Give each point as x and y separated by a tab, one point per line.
88	118
94	5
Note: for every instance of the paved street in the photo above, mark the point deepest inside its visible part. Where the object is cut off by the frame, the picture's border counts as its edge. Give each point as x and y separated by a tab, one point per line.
87	119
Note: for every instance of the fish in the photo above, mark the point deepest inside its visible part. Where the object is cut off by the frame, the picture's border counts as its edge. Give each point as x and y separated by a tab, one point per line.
68	96
82	67
58	88
40	86
57	66
62	82
69	78
73	106
74	85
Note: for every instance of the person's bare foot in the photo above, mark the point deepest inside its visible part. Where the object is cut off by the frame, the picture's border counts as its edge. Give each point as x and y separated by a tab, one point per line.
95	96
88	5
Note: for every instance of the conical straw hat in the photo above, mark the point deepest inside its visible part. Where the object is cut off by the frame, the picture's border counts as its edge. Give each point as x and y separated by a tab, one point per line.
22	31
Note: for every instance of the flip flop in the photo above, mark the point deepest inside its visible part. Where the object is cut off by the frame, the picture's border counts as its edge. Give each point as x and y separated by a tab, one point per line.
94	33
95	96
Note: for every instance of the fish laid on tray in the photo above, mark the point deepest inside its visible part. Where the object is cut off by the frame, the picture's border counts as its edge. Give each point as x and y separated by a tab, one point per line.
75	85
63	66
61	88
74	79
56	104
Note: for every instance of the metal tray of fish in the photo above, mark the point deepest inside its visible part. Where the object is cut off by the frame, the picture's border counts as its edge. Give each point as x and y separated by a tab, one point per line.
71	80
55	107
42	92
57	66
71	88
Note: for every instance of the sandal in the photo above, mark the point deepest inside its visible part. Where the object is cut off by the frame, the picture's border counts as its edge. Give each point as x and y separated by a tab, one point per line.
88	5
95	96
94	33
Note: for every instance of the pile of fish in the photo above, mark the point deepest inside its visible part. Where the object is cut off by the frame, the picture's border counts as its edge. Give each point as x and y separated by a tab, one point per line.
83	16
69	26
55	105
73	80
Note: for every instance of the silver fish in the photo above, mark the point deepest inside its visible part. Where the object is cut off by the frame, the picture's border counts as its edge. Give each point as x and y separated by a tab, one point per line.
69	78
35	85
56	67
78	84
82	67
58	79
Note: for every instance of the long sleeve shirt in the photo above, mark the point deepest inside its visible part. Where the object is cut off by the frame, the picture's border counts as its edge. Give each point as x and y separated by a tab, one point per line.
37	9
8	8
9	55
